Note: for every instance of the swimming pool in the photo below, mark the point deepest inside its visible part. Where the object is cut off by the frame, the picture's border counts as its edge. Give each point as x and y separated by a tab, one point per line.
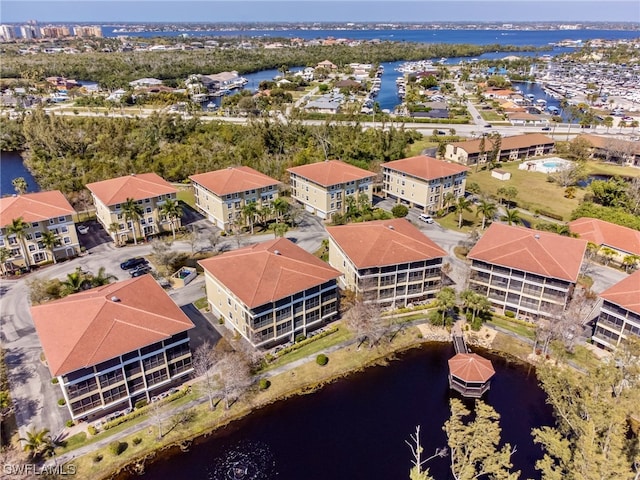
547	165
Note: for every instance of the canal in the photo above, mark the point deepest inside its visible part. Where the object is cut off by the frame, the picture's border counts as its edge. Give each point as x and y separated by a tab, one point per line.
356	427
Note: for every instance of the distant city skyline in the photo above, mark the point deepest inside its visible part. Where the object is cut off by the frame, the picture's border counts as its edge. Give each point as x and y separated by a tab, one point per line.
166	11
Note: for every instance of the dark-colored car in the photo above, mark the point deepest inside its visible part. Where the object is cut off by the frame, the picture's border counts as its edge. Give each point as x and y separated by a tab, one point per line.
140	270
133	263
546	129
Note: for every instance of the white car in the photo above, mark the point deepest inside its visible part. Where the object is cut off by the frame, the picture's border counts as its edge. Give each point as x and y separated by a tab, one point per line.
83	229
425	218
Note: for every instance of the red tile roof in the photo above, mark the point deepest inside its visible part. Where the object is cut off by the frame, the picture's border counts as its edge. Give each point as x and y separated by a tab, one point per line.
617	145
426	168
384	242
268	271
90	327
137	186
34	207
233	180
543	253
625	293
600	232
471	367
331	172
507	143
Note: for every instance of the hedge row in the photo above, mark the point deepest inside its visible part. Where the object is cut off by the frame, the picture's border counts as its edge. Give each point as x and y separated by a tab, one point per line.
555	216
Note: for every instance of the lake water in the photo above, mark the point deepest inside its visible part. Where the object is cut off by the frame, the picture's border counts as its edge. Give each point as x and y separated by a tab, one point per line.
12	166
356	428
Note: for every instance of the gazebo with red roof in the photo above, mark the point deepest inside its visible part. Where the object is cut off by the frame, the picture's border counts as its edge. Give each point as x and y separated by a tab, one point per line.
470	374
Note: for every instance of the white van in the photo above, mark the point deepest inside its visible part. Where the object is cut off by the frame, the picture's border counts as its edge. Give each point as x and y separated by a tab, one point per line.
425	218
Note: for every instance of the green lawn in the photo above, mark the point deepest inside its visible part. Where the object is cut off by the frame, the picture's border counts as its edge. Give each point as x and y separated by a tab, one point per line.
514	326
469	221
201	303
534	191
186	195
417	147
601	168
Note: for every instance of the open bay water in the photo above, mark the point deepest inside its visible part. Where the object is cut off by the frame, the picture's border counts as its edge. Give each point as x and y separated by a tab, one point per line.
12	166
356	427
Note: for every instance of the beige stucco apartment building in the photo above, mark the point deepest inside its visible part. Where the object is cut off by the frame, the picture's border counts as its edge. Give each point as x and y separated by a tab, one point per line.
528	272
323	187
221	194
112	346
149	190
271	292
623	241
389	262
423	181
516	147
39	211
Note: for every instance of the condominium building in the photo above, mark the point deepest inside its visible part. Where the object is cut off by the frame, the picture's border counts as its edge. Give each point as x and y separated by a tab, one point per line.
222	194
323	187
39	211
112	346
423	181
390	262
149	191
623	241
517	147
619	316
271	292
527	272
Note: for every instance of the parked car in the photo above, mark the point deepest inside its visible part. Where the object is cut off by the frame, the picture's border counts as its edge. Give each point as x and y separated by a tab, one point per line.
140	270
133	263
83	229
488	125
425	218
546	129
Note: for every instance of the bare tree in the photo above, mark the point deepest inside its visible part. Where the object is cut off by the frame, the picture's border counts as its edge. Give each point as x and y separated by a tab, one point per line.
192	238
163	254
366	321
416	472
156	413
232	374
203	362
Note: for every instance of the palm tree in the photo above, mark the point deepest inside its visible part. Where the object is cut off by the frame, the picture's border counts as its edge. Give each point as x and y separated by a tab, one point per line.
608	254
351	207
114	228
608	122
448	199
5	254
622	124
249	211
74	283
133	213
487	209
20	185
18	228
630	261
50	240
37	442
445	300
512	216
460	206
101	278
634	124
172	210
280	207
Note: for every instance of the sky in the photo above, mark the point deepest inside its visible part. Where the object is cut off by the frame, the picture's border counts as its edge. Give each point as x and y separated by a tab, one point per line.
105	11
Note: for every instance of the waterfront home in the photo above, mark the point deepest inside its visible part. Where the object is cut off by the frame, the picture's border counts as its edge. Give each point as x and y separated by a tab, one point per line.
423	181
328	103
527	272
39	212
324	187
517	147
621	241
526	119
271	292
220	81
390	262
619	316
609	149
149	192
113	346
145	82
327	65
221	195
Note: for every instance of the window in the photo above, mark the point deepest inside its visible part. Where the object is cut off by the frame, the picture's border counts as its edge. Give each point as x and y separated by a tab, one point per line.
157	377
52	221
64	229
28	236
35	224
38	234
1	241
148	210
61	219
147	200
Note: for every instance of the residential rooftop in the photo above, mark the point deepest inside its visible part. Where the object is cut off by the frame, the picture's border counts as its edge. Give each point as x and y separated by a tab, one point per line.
34	207
384	242
96	325
331	172
137	186
268	271
625	293
426	168
543	253
600	232
233	180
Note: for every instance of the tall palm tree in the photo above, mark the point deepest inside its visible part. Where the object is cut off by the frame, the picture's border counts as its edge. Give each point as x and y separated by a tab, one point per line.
487	209
448	199
4	256
249	211
18	228
172	210
50	240
622	124
280	207
114	228
512	216
460	206
133	213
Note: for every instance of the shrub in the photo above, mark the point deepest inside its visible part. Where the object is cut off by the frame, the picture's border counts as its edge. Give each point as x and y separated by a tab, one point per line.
54	380
62	402
70	423
264	384
322	359
92	430
116	448
97	458
510	314
137	441
140	404
300	337
221	321
400	211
